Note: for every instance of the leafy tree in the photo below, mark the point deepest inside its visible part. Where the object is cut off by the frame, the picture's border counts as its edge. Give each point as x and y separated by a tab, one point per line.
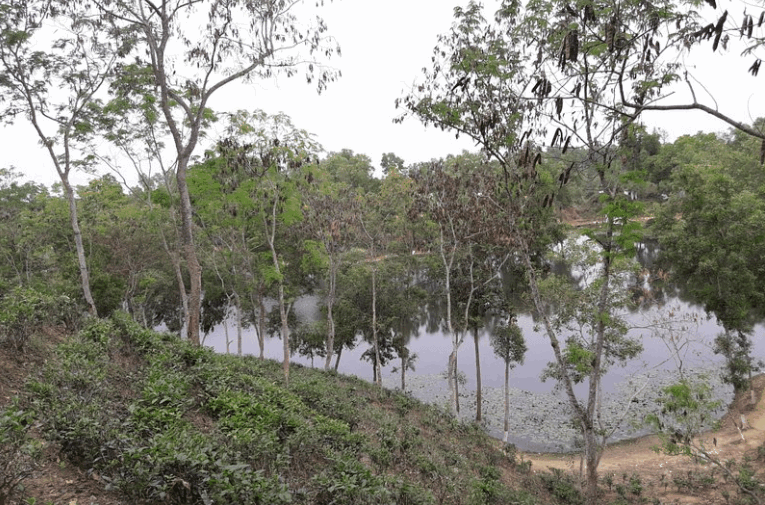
190	57
390	161
263	169
715	246
55	89
400	308
20	251
353	170
510	346
478	293
478	86
126	255
330	218
223	187
374	237
687	410
458	198
353	307
613	61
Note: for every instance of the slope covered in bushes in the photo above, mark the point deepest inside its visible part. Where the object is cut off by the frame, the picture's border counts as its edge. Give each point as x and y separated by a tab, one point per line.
160	421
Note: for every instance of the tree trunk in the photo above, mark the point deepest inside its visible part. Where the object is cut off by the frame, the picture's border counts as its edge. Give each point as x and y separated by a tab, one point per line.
456	382
592	448
84	275
225	333
330	319
189	251
378	367
285	334
337	361
451	368
175	260
262	318
403	374
507	401
478	390
582	415
238	328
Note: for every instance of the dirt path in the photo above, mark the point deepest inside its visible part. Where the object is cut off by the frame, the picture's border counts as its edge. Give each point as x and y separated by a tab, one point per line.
661	473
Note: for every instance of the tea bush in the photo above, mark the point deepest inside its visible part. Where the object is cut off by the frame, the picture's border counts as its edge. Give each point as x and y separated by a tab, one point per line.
163	421
18	451
25	311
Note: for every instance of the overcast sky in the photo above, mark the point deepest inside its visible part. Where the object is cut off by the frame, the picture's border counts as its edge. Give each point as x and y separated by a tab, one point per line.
384	47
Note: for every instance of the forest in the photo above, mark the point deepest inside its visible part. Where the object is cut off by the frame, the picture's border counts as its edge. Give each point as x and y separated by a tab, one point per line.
235	229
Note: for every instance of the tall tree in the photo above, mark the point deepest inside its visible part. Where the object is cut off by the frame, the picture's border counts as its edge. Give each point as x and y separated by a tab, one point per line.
263	165
56	89
330	218
509	345
710	231
478	86
192	56
458	199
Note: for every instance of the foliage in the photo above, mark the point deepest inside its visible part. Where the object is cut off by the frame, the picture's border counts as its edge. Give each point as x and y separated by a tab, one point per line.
508	343
26	311
181	424
215	52
715	247
562	486
687	408
18	451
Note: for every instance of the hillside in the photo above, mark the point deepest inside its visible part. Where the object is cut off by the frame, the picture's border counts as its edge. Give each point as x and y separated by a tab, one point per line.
119	415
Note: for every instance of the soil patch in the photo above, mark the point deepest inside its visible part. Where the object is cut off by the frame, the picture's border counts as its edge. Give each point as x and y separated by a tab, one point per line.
662	473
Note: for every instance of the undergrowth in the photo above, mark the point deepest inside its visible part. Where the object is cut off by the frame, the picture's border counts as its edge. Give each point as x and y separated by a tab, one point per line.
163	421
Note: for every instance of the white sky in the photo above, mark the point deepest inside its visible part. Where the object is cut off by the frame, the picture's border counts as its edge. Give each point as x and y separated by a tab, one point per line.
384	47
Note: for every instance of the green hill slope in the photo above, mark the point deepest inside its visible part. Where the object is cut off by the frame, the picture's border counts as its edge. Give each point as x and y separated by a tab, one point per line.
160	421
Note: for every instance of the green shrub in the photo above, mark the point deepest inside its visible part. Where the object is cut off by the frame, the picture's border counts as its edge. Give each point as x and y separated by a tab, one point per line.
562	486
99	331
349	482
25	311
746	478
18	452
240	484
636	485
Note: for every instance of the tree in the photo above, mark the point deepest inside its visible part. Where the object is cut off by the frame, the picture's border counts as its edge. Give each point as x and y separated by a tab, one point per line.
713	247
353	170
121	248
221	194
458	199
479	295
688	407
56	89
330	218
390	161
191	57
478	86
614	61
261	168
510	346
21	262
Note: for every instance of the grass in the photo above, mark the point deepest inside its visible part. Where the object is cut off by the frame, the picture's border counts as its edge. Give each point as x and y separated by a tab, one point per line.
161	421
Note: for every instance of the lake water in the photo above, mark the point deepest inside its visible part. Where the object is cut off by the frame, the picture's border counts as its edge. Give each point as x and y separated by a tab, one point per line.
690	325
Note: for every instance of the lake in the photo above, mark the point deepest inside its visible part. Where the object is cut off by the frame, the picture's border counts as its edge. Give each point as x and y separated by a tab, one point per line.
690	325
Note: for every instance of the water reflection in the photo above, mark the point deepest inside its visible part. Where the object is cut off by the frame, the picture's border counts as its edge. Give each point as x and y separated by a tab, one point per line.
674	332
